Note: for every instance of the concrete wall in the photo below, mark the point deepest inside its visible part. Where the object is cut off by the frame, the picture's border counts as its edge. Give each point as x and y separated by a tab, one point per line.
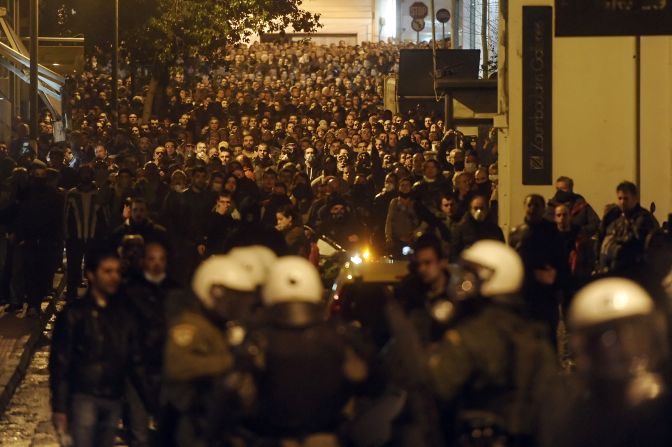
594	117
656	117
346	17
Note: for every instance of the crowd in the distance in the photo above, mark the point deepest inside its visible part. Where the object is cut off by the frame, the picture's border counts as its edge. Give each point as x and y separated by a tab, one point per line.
279	134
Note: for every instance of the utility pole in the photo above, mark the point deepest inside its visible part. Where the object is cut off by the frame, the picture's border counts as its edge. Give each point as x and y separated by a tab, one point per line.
115	68
455	24
472	24
14	81
484	39
34	106
399	27
433	16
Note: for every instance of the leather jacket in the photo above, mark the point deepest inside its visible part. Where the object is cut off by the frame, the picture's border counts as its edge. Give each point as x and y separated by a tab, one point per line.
147	302
94	350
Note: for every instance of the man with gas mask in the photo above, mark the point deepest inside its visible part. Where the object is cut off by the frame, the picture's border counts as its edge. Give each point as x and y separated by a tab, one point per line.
492	365
620	394
200	377
306	366
476	225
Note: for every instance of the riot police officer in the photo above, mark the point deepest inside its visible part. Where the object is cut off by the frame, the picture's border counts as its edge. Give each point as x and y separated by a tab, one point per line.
306	365
491	365
257	260
199	353
620	394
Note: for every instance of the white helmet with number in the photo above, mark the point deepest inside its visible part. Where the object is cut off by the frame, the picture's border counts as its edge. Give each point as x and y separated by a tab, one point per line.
256	259
609	299
219	271
500	268
292	278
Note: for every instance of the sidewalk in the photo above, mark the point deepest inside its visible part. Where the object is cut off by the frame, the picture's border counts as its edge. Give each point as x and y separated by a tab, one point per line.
18	341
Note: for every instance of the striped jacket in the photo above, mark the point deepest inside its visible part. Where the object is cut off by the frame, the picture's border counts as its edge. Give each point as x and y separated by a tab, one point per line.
84	215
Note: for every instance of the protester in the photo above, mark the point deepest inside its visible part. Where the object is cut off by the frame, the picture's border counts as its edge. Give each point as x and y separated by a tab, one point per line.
623	233
94	350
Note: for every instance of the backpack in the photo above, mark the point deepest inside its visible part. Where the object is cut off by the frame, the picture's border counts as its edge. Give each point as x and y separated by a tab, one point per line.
618	244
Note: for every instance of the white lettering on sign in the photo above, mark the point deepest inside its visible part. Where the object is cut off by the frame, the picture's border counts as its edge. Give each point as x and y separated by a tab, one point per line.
538	65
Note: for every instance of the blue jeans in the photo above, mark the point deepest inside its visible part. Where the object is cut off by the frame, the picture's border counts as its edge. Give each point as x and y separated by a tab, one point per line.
136	418
93	421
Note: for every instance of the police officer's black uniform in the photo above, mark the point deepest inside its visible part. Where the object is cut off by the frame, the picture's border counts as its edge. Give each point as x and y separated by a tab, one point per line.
305	376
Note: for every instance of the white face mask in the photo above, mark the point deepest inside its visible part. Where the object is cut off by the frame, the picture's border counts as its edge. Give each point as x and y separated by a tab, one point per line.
493	177
478	215
470	167
155	279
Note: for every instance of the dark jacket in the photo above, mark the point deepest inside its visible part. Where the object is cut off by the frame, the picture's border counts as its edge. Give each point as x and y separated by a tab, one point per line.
94	350
193	209
540	246
146	301
581	214
469	231
40	215
297	242
218	229
381	203
150	232
430	192
84	215
622	238
299	347
496	365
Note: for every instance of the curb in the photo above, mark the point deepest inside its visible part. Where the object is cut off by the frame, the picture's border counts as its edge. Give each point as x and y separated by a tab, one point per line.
8	389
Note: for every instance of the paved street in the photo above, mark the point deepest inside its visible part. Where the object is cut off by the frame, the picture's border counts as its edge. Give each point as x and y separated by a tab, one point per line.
27	421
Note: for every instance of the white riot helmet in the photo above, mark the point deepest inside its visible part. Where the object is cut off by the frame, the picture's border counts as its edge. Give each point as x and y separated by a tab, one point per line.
498	267
256	259
618	339
217	273
292	278
606	300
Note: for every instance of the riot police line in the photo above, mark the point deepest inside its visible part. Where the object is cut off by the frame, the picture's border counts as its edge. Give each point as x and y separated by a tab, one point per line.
250	360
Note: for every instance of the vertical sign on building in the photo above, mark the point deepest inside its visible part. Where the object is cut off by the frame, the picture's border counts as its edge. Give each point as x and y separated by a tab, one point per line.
537	95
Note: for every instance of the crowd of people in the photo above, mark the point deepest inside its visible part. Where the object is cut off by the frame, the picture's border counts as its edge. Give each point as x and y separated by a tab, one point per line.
198	231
